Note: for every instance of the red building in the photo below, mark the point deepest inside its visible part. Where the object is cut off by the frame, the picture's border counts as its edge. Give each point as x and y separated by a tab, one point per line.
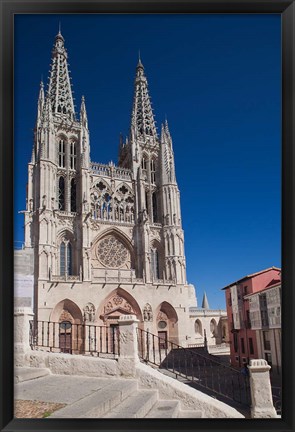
243	343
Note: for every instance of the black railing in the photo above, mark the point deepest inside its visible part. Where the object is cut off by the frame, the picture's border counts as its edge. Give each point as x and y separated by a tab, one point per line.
197	367
277	399
74	338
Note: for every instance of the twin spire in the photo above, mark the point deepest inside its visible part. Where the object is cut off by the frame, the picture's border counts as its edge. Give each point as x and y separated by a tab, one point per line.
59	93
142	118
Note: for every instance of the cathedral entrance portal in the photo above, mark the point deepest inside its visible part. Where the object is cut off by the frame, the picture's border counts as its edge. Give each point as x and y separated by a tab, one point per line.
167	324
118	303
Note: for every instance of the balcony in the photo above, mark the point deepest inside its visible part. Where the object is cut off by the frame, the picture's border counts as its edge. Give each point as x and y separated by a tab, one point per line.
65	278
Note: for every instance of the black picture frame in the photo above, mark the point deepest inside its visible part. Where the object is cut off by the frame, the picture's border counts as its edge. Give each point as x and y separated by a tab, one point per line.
8	9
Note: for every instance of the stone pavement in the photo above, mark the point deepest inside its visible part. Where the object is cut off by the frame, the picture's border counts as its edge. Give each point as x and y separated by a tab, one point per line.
88	397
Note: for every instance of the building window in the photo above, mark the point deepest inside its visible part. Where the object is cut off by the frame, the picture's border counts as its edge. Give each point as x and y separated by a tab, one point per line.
155	264
65	251
266	340
73	155
61	194
155	207
147	202
143	163
268	358
251	347
61	153
243	345
73	196
198	327
153	171
236	343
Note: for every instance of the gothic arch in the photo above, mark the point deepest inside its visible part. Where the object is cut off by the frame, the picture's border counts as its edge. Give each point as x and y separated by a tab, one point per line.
198	327
117	233
157	259
68	306
64	232
67	255
166	313
63	136
213	327
118	302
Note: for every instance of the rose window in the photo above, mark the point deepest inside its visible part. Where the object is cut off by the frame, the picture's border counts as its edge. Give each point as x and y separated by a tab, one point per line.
111	252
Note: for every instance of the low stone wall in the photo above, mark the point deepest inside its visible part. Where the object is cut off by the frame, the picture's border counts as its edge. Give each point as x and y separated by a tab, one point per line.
71	364
190	398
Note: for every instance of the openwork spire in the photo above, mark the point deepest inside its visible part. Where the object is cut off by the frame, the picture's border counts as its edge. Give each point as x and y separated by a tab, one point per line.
59	90
142	120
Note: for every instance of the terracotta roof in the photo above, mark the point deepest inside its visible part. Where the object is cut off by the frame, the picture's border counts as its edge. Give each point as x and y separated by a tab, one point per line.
250	276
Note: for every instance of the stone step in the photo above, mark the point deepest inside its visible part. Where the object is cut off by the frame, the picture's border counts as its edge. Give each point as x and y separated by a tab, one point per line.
22	374
164	409
100	402
135	406
190	414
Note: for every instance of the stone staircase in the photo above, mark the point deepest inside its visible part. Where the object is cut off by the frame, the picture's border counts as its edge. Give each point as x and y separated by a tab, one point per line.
122	398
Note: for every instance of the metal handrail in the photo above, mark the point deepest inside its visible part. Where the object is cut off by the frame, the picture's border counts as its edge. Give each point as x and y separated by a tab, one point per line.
197	367
72	338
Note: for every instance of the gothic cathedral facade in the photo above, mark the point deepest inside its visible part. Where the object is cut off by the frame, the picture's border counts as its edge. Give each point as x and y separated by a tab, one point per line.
107	239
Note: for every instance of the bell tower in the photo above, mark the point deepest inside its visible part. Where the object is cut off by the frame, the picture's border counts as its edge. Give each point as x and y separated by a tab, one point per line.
151	160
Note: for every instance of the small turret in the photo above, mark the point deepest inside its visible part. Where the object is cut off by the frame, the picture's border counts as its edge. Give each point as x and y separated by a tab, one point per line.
40	104
167	156
205	303
83	114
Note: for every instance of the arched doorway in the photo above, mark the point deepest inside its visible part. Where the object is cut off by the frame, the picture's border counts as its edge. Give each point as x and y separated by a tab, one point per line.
167	324
67	332
118	302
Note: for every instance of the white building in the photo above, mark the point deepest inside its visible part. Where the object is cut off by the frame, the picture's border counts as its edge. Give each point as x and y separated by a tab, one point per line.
265	317
107	239
208	325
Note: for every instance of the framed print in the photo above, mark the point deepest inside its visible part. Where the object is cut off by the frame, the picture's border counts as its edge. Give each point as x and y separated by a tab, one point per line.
147	244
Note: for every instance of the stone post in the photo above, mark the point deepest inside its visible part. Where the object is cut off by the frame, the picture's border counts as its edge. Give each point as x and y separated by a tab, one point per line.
261	395
22	318
128	345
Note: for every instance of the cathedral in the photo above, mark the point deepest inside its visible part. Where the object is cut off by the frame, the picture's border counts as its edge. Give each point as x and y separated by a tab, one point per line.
107	239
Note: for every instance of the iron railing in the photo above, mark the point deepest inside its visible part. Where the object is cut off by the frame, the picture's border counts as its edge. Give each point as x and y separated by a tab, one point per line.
199	368
71	338
277	399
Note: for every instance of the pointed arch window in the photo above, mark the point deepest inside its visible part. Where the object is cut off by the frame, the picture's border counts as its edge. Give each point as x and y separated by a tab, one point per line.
61	194
155	263
73	195
198	327
155	207
143	163
73	155
61	153
66	258
153	171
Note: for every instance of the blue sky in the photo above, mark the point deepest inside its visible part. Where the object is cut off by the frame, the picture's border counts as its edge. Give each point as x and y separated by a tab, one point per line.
217	79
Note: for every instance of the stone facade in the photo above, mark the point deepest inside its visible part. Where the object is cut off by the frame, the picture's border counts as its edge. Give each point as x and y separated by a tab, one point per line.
107	240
